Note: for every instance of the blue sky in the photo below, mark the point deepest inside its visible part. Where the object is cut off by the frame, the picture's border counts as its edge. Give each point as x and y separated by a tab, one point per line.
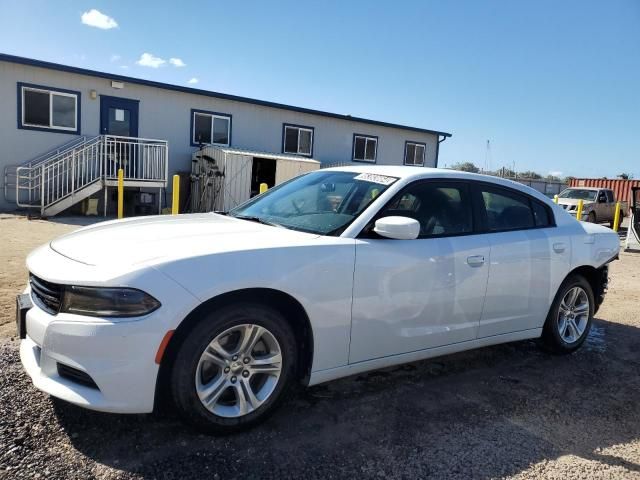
554	85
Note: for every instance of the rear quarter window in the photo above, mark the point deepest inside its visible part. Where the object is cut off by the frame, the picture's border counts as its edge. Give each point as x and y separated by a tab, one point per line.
541	214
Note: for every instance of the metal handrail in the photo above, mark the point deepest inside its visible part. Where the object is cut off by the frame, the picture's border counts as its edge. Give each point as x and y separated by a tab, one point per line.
95	159
34	162
138	139
56	151
61	153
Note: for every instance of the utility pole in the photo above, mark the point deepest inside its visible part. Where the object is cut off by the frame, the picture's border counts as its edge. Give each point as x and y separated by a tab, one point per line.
487	157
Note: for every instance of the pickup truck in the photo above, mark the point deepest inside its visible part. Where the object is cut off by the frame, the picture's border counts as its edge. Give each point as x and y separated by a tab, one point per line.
599	204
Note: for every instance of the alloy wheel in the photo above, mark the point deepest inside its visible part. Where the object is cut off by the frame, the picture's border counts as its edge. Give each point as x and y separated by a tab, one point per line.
239	370
573	314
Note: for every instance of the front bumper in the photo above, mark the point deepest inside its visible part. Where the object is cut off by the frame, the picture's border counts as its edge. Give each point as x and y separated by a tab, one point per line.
119	358
117	355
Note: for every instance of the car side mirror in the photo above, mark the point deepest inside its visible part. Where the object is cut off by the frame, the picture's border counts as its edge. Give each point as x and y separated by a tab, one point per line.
398	228
602	198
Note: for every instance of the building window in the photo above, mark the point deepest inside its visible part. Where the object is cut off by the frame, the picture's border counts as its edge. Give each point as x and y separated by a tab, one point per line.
210	128
365	148
297	140
43	108
414	153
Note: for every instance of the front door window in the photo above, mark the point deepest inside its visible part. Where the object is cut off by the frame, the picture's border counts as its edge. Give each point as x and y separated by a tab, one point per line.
119	122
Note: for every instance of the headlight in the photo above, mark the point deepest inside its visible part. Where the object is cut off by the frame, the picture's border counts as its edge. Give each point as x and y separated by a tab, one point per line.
107	302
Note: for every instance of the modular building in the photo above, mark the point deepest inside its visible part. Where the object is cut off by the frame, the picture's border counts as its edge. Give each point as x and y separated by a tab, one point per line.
66	131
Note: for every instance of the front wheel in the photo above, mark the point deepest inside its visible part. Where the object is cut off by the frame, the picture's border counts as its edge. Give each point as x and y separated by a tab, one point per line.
592	217
233	368
569	320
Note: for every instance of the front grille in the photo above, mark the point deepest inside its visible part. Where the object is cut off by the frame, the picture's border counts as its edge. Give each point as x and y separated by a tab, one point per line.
75	375
47	294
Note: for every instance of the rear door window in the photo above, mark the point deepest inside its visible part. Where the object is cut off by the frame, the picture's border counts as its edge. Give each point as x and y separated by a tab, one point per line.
507	210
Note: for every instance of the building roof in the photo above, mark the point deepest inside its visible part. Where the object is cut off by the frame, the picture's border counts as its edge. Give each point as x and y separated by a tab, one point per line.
196	91
257	153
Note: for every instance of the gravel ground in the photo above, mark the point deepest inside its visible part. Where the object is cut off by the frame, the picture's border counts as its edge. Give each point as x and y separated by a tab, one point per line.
507	411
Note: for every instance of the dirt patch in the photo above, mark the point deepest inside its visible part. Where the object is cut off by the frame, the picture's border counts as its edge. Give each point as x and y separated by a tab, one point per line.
510	411
18	236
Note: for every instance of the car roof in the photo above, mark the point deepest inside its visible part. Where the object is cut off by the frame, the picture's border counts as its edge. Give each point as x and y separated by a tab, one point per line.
409	174
404	171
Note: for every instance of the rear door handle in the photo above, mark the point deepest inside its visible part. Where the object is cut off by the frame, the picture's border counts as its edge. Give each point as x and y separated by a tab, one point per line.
559	247
475	260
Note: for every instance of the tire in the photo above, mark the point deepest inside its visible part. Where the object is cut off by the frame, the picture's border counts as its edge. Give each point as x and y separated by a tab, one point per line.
592	217
205	360
560	335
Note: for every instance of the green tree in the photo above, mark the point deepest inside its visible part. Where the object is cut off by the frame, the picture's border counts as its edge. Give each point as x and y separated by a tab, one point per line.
466	167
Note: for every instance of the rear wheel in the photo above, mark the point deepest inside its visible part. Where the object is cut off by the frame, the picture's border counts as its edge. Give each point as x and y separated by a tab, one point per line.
569	320
233	368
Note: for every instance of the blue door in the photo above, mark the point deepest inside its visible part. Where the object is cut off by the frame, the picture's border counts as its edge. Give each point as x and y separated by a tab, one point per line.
118	116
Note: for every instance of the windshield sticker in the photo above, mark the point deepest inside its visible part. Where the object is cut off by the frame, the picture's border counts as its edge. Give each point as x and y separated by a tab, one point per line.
375	178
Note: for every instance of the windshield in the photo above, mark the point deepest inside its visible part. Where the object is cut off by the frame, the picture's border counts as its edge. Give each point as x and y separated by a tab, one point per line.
579	194
322	202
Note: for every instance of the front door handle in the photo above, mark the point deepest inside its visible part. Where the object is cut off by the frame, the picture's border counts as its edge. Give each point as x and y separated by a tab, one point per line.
475	260
559	247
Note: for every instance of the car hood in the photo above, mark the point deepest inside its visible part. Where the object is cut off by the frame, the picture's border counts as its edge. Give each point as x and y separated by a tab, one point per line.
573	201
164	238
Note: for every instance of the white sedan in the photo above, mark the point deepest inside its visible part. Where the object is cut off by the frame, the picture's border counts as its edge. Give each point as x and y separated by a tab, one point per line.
333	273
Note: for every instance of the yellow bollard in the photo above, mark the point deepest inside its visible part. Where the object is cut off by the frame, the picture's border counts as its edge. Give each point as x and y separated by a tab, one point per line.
175	202
616	218
120	193
555	199
579	211
263	187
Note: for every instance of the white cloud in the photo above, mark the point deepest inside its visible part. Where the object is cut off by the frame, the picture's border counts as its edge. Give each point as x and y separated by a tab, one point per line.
95	18
124	67
149	60
115	58
177	62
556	173
193	81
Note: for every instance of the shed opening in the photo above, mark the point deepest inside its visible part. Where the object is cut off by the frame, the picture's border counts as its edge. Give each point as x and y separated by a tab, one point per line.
263	170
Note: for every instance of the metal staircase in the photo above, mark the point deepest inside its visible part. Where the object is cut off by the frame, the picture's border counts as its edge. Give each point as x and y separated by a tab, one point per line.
56	180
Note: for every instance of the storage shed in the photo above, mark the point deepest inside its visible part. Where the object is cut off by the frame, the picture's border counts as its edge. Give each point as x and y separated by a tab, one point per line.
223	178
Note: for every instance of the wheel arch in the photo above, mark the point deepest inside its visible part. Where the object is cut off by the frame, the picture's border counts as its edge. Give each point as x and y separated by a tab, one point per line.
598	280
286	304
